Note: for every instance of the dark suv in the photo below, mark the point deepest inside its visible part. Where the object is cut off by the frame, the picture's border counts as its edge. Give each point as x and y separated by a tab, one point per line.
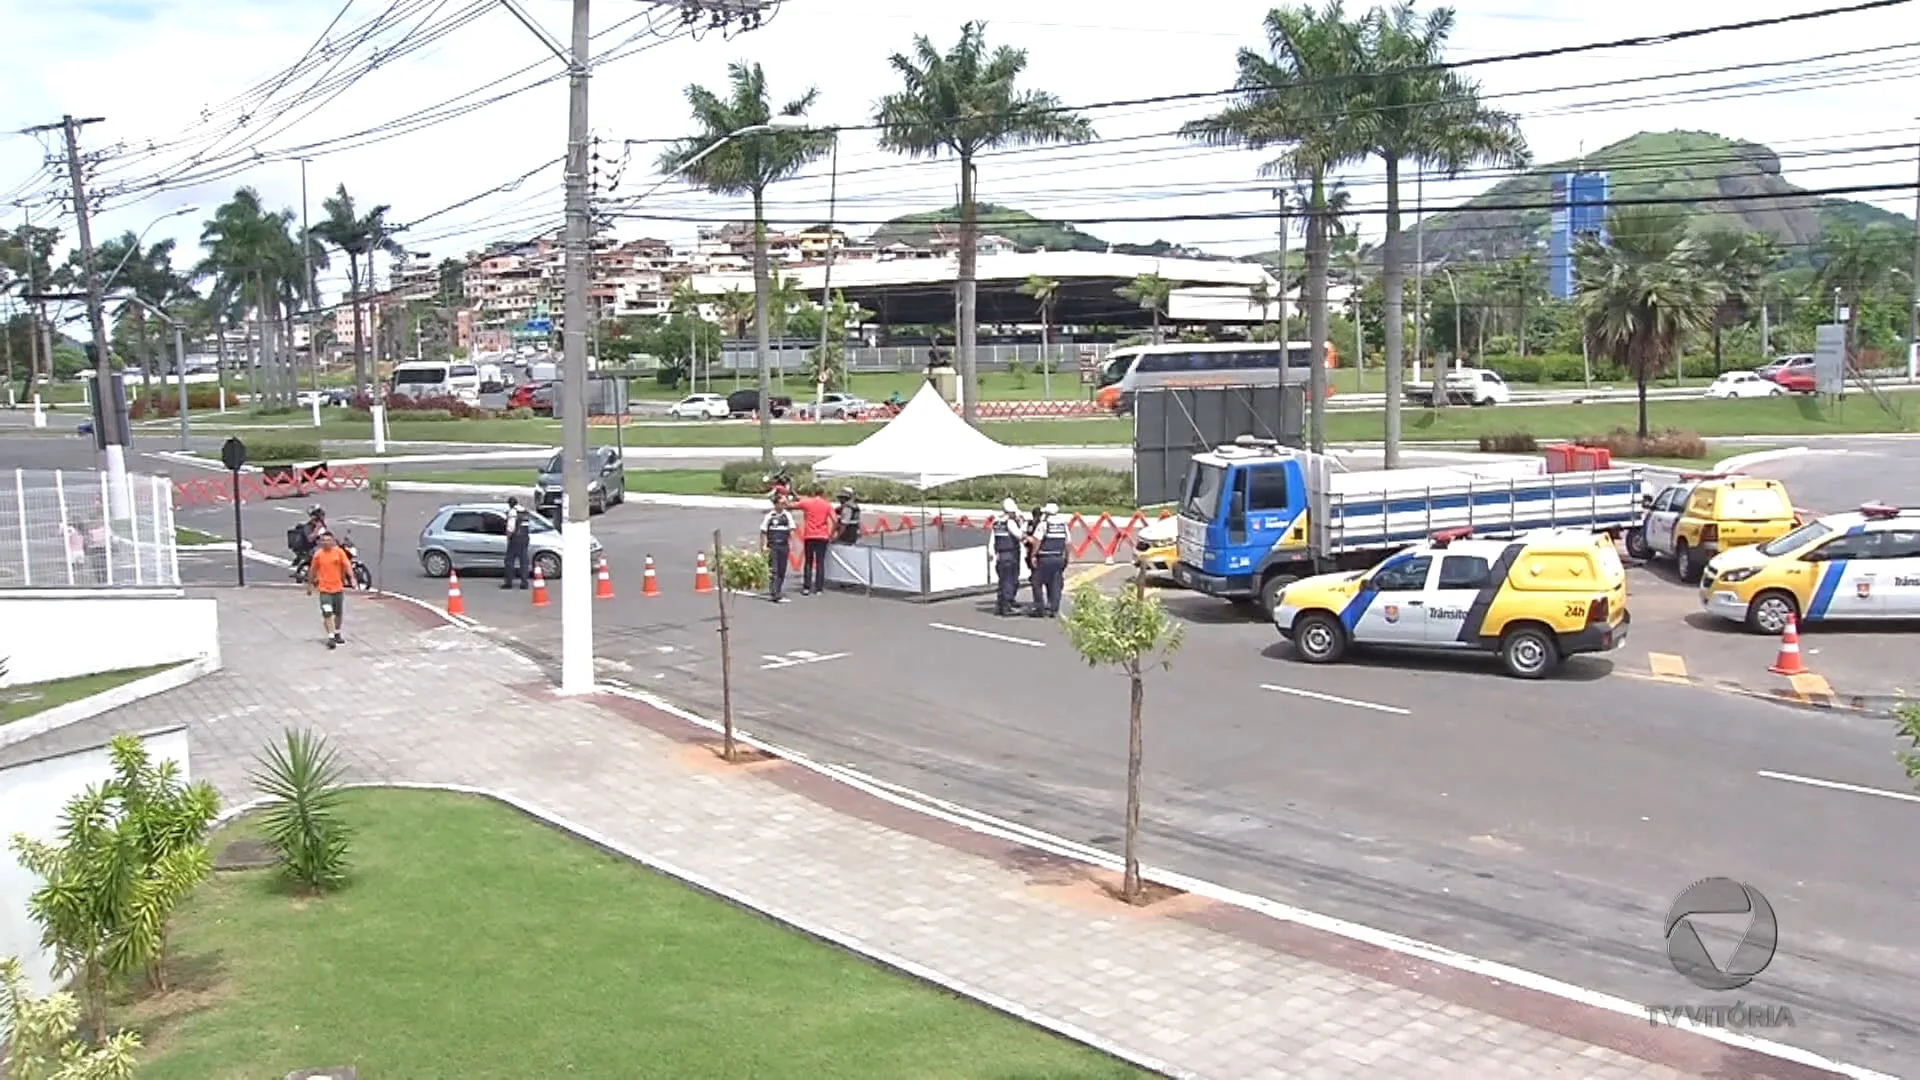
747	403
606	482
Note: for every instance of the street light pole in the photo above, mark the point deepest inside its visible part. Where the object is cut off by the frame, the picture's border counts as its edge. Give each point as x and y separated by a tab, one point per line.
826	278
576	593
179	360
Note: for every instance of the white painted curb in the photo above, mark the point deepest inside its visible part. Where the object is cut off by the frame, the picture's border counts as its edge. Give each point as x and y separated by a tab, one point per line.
1739	462
107	700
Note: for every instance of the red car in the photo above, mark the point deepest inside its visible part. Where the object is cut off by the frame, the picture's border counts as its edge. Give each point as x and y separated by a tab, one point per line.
1795	380
535	396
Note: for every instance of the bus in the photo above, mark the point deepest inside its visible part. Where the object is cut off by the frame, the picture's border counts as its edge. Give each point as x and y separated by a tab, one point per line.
1129	370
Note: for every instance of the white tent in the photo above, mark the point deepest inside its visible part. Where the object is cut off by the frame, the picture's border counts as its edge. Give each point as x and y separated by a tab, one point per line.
928	445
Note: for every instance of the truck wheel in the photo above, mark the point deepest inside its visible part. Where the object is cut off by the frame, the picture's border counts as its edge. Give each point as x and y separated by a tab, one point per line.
1270	591
1637	547
1686	563
1529	652
1319	638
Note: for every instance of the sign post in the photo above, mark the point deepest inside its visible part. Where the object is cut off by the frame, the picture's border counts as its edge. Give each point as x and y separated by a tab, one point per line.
1830	359
233	454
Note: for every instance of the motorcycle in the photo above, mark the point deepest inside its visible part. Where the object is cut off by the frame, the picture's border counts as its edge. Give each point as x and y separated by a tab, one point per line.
362	576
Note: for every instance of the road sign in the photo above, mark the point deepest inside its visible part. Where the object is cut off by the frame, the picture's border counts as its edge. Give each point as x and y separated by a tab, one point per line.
233	454
539	326
1830	359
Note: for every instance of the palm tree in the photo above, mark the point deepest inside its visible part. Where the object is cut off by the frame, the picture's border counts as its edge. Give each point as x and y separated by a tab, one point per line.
736	314
964	102
149	276
1045	293
1519	280
360	236
1642	294
1739	263
1416	112
254	257
748	165
1150	291
1856	263
1302	98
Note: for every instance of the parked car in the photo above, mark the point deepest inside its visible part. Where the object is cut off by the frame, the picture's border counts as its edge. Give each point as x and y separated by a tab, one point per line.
1743	384
1800	362
834	406
747	403
473	536
1464	386
700	407
1795	380
606	481
535	396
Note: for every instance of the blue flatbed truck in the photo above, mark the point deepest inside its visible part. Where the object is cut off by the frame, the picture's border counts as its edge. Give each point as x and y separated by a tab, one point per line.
1256	517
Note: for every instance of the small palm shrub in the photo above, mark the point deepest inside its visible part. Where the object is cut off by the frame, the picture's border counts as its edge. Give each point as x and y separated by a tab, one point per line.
301	779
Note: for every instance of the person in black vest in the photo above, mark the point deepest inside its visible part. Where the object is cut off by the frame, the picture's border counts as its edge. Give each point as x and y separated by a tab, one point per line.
776	536
1050	561
1007	529
846	518
519	540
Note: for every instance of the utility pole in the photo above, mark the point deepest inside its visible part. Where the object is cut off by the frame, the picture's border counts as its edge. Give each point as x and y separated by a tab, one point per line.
306	295
1420	275
109	429
826	277
576	592
33	323
1286	344
1913	325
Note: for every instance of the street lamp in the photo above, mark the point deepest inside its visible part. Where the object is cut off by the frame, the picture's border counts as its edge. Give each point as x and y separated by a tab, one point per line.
179	359
107	285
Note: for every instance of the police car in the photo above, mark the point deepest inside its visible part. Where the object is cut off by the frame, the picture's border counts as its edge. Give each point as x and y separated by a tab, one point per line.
1859	565
1532	598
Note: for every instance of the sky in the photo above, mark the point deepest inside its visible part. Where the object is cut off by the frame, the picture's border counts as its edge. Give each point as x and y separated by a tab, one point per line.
1837	99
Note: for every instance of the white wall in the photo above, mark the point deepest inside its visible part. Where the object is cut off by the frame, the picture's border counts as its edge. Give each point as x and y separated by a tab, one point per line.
61	635
32	797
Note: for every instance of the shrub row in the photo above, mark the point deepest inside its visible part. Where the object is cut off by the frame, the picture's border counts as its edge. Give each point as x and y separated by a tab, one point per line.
165	403
282	452
1069	485
455	408
1623	444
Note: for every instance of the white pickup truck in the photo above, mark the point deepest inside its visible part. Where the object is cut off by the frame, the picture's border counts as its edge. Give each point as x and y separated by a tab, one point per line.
1464	386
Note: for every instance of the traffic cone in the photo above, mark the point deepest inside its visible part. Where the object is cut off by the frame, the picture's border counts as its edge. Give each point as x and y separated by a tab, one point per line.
650	585
603	588
455	605
539	587
1788	662
701	581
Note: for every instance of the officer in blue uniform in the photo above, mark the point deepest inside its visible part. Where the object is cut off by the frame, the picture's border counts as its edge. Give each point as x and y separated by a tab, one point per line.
1050	561
1006	556
776	536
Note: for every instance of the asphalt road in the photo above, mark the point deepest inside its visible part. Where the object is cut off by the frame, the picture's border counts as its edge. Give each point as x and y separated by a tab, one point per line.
1545	825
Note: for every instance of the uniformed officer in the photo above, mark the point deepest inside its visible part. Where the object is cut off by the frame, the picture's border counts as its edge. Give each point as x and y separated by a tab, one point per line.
1007	529
776	536
519	541
846	518
1050	561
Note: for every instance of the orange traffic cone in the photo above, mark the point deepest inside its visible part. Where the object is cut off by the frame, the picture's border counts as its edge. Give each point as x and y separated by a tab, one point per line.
1788	661
603	588
455	605
539	587
650	585
701	581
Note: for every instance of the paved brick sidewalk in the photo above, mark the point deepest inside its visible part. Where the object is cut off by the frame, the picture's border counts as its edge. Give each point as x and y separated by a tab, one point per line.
1199	988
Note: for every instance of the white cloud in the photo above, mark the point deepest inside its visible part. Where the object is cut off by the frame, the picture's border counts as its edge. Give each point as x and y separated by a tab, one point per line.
150	66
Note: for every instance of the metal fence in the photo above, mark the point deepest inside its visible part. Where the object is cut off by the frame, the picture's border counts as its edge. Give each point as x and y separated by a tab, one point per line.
791	357
64	530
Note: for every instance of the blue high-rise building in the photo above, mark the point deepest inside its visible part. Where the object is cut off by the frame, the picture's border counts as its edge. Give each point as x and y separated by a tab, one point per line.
1579	208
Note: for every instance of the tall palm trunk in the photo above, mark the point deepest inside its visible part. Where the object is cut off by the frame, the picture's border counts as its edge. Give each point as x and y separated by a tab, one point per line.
761	287
359	346
1393	283
1640	384
965	292
1521	329
146	353
220	356
1317	315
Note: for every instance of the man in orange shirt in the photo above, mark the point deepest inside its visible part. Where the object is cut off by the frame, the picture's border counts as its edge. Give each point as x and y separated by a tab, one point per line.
328	575
816	528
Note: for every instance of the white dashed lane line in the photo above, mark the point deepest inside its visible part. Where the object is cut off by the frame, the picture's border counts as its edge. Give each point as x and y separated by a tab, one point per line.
989	635
1835	785
1336	700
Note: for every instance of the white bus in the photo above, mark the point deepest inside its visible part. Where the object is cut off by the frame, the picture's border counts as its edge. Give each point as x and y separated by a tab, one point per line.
433	379
1127	371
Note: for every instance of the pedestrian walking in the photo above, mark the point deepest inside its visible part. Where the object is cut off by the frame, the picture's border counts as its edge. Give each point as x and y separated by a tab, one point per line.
328	575
1050	561
519	541
1006	557
776	537
846	518
816	529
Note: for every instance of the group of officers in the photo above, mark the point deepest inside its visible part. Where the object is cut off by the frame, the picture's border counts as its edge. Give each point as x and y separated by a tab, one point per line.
1041	540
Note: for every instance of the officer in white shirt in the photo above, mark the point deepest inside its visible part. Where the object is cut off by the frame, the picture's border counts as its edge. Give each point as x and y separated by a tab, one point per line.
1008	528
1050	561
776	537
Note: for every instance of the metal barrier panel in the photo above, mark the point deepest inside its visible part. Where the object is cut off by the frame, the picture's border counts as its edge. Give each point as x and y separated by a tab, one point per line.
57	531
1172	425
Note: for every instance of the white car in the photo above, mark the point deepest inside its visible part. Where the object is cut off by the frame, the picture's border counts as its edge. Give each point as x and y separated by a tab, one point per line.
1744	384
700	407
834	406
1477	386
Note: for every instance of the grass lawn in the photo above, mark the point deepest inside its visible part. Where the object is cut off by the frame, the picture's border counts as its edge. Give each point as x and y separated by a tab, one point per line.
186	537
474	942
20	702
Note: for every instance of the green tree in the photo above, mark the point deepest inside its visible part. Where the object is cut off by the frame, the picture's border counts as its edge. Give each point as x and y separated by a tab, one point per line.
148	275
1045	293
748	165
1643	294
1857	264
37	1029
1740	263
1302	98
128	851
1130	631
1415	111
300	779
963	102
451	290
1906	725
360	236
253	256
1151	292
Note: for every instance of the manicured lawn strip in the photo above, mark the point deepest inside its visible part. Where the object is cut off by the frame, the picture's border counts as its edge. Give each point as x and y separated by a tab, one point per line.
27	699
474	942
186	537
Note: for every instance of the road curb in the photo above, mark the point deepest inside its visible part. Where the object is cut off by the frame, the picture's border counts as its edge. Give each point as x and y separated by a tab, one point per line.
1806	698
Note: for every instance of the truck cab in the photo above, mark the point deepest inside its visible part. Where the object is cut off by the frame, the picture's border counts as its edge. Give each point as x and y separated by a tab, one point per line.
1243	522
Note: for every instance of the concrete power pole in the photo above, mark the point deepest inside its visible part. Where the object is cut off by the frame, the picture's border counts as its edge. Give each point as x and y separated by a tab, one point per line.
1913	325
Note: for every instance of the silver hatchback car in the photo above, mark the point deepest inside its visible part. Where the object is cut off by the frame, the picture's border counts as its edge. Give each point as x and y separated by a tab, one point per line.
473	536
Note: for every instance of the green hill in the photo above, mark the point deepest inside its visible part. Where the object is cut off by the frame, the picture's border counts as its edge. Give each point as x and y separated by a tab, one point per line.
1028	233
1672	164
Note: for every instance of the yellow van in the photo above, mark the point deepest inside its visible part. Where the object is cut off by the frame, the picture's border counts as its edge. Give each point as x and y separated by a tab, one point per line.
1692	521
1534	599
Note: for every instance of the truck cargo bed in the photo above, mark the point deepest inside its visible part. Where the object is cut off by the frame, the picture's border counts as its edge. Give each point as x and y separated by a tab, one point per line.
1357	511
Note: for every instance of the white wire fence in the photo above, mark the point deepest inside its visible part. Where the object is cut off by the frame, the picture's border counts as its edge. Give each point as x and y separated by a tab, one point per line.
62	529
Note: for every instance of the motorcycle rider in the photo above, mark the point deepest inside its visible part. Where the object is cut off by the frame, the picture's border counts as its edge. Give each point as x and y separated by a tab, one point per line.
303	539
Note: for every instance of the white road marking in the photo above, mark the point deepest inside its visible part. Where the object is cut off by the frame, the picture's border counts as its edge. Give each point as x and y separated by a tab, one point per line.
795	659
1836	785
1317	696
988	634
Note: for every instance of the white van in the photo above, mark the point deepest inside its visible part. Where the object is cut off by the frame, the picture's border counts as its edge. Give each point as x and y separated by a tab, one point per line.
431	379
